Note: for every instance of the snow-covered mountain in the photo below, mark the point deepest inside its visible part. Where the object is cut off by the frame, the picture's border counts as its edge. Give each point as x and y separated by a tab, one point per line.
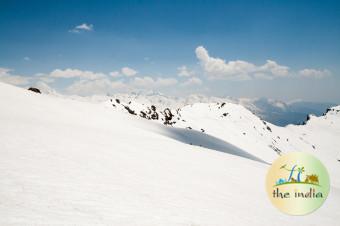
240	127
275	111
126	161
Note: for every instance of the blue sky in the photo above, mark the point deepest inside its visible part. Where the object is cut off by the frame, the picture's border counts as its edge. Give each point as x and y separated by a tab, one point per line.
158	42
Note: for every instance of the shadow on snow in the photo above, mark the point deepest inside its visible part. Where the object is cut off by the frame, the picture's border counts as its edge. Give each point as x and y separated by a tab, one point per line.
207	141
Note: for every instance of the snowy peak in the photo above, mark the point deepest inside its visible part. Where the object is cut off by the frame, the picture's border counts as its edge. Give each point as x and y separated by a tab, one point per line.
146	111
333	111
240	127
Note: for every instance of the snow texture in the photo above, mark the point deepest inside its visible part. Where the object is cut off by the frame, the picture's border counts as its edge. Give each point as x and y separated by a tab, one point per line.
71	162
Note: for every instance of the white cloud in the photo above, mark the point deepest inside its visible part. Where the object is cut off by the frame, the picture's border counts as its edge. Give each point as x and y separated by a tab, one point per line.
216	68
183	71
15	80
115	74
47	79
124	71
148	82
99	83
88	27
82	27
44	77
104	86
99	86
7	77
128	71
26	58
43	87
19	80
274	69
72	73
4	71
192	81
90	82
314	73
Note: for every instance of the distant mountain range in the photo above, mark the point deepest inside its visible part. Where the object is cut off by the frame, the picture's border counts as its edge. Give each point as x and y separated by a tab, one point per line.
274	111
281	113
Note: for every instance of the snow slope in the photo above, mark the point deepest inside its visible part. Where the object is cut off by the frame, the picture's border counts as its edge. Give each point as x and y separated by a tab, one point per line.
67	162
234	124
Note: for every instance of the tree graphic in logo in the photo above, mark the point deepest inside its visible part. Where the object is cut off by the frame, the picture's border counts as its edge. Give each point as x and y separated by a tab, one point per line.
297	183
312	179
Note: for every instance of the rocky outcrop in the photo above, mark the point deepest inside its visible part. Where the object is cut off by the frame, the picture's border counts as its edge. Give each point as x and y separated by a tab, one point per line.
36	90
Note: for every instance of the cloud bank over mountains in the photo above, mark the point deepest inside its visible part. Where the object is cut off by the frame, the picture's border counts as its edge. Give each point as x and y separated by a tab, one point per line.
127	79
